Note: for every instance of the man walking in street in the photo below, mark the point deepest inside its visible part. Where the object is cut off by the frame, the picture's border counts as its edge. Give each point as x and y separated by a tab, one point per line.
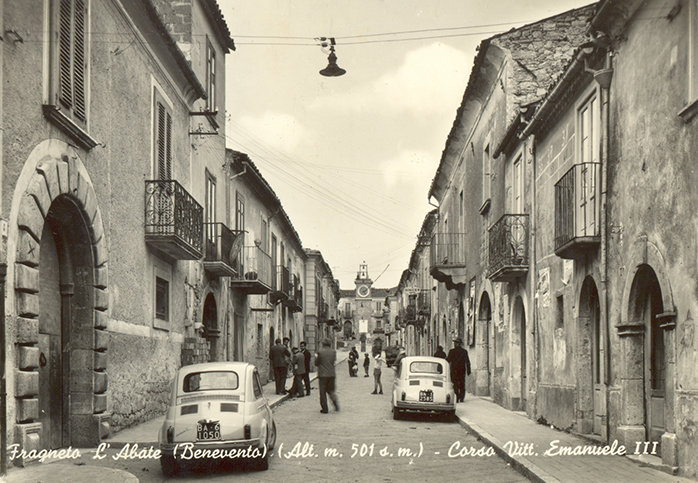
298	372
278	355
460	366
440	352
306	376
324	361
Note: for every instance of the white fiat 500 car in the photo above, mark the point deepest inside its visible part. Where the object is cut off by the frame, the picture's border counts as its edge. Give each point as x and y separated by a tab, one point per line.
217	412
423	384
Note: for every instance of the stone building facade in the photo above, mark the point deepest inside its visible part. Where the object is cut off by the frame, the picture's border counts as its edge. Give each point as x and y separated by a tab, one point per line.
97	157
322	294
578	275
480	243
267	287
367	313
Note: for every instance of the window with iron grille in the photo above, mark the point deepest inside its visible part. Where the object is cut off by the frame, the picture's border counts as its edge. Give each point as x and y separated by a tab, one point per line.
163	138
162	309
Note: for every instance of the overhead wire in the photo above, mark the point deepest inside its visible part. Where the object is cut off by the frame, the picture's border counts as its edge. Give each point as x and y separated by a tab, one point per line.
291	159
377	216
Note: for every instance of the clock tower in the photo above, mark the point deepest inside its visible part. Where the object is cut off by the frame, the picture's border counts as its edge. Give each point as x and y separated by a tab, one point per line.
363	283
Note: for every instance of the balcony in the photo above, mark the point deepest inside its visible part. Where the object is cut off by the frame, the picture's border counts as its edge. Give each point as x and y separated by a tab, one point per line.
220	257
173	220
447	262
577	211
295	299
508	248
424	302
254	273
281	285
323	310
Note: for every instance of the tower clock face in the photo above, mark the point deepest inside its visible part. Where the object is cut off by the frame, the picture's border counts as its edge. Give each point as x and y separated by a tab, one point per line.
363	291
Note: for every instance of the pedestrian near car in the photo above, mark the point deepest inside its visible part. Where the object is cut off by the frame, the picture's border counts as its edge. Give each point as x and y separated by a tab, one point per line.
289	359
278	355
377	366
306	376
440	352
351	361
460	366
367	363
298	371
324	361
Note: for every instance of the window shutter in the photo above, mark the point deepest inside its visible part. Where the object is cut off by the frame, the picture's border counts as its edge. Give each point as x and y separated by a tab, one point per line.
168	146
65	94
161	142
79	63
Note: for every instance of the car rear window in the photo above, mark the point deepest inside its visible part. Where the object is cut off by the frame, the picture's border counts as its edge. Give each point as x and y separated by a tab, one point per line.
210	381
425	367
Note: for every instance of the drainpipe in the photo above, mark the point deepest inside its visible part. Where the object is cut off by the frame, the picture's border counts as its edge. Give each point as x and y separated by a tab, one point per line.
3	392
605	130
533	261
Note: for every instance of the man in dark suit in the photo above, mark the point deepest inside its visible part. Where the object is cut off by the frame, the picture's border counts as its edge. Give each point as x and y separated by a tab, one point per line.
306	376
278	355
460	366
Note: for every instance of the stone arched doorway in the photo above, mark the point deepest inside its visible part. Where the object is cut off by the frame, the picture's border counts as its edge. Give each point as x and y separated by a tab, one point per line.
518	355
211	331
590	358
645	308
484	319
60	302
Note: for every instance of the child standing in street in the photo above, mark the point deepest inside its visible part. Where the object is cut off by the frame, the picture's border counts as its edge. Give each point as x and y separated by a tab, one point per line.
367	363
377	366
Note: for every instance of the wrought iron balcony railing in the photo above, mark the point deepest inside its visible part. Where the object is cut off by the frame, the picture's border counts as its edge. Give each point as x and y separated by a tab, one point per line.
323	310
173	220
222	253
424	302
295	298
254	272
448	250
577	210
508	248
281	283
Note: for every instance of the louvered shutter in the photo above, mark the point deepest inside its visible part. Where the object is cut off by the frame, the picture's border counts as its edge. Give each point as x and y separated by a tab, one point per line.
168	146
161	142
79	62
65	91
71	59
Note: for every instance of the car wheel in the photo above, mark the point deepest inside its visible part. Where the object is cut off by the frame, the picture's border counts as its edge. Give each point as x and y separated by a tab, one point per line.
168	465
451	416
271	438
396	413
262	463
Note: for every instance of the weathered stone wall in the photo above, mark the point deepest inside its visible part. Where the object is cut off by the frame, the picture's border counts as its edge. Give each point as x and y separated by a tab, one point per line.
140	370
652	198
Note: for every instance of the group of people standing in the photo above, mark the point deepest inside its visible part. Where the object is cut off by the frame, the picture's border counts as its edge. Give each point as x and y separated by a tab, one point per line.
299	360
353	362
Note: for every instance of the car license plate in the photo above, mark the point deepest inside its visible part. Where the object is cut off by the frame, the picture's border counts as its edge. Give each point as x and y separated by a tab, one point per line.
426	396
206	431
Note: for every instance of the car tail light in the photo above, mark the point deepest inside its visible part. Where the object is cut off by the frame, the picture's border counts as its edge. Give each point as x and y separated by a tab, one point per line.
248	432
170	434
403	395
448	398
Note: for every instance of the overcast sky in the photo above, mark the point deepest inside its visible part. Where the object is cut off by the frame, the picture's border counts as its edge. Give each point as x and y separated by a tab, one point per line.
352	157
